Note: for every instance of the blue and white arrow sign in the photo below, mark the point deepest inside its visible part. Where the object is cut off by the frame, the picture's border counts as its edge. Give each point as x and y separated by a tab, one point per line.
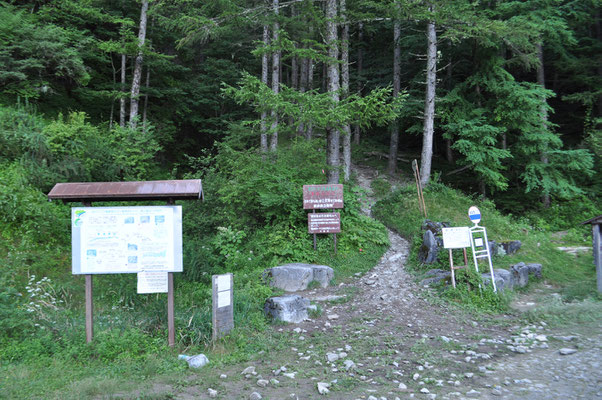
474	214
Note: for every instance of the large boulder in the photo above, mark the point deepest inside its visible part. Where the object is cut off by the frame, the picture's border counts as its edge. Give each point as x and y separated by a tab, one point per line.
295	277
511	247
430	248
503	279
520	274
434	227
535	270
435	276
287	308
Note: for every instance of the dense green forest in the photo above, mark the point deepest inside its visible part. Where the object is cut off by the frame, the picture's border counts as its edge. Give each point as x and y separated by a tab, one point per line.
499	99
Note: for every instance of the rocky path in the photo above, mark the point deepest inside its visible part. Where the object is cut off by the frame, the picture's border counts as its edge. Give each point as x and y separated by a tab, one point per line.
380	336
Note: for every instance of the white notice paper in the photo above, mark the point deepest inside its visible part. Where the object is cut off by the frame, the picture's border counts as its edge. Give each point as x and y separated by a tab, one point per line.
456	238
223	299
223	282
152	282
478	242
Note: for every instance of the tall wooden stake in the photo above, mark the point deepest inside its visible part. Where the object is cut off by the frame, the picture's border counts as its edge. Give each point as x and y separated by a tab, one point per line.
171	328
89	310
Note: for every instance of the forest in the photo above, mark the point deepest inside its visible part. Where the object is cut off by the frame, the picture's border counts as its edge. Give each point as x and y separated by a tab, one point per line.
500	100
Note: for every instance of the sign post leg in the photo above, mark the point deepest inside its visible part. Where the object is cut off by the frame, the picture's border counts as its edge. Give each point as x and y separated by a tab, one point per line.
89	310
171	338
451	265
335	243
315	237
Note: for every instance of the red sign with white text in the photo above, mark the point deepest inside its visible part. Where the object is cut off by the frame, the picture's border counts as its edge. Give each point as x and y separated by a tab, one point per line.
322	196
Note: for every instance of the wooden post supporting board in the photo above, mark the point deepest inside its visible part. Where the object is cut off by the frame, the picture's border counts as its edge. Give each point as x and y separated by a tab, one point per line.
89	310
171	327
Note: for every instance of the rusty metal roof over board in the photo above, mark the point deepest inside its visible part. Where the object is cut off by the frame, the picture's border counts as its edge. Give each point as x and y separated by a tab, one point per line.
594	221
191	189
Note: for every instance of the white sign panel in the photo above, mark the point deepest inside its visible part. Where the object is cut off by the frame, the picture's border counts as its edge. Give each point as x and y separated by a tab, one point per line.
112	240
152	282
456	238
223	282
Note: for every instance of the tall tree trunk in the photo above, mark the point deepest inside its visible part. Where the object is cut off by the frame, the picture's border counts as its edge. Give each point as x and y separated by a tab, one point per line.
429	106
332	158
449	154
122	98
345	89
264	79
302	88
310	85
360	64
145	108
275	76
137	76
113	99
541	80
394	143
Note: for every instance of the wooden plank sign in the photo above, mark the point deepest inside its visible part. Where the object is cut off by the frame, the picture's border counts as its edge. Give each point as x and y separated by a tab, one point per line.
223	307
322	196
324	222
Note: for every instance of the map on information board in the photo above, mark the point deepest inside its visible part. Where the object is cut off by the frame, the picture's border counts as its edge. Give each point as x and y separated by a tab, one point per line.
113	240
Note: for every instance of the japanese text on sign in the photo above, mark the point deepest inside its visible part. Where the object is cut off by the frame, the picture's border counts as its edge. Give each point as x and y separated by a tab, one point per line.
324	222
456	238
109	240
322	196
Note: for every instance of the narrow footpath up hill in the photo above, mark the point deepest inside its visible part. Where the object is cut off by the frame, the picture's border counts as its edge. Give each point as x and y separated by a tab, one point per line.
381	336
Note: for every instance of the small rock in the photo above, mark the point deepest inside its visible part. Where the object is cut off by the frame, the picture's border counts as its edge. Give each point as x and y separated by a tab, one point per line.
212	393
469	374
416	376
289	375
424	390
255	396
402	386
496	392
323	388
332	357
473	393
198	361
223	376
349	365
262	383
566	351
332	316
274	381
249	371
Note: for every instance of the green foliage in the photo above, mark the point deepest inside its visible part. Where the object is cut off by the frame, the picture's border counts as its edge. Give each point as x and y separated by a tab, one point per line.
472	294
381	187
37	58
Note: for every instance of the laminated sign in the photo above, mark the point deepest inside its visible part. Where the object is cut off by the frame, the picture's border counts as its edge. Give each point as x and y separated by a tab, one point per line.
322	196
324	222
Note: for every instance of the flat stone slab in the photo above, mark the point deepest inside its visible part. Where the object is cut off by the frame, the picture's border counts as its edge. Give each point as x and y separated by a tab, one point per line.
297	276
291	309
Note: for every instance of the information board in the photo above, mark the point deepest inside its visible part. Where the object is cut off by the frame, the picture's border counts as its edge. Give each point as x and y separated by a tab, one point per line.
322	196
114	240
324	222
456	238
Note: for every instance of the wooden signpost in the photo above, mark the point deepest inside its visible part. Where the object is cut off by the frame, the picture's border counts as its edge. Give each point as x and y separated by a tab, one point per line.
328	196
223	305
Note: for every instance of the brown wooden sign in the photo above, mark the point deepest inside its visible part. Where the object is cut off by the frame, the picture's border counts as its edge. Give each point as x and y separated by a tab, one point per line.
322	196
324	222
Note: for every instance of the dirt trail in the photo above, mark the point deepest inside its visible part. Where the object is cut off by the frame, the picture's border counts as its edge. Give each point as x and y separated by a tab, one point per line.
382	336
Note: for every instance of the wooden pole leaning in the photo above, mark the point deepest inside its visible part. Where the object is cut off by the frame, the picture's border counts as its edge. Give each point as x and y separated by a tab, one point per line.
421	203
